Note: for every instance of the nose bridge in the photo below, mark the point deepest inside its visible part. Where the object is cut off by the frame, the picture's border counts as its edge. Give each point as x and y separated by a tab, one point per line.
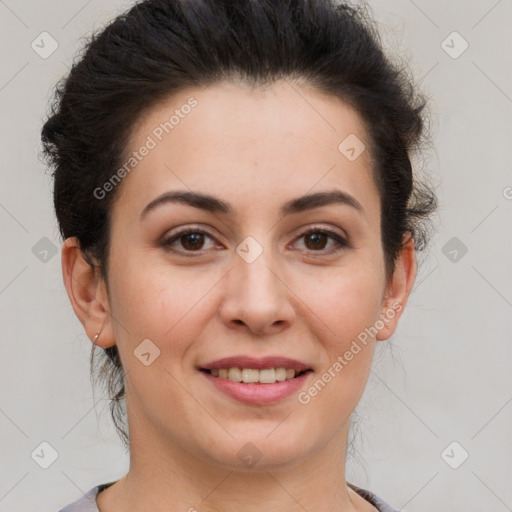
253	267
256	295
255	272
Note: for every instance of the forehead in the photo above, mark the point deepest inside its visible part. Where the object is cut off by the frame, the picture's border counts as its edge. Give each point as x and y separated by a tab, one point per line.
255	144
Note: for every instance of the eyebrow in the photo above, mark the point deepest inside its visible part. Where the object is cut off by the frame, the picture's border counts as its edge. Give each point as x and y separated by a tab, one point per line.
215	205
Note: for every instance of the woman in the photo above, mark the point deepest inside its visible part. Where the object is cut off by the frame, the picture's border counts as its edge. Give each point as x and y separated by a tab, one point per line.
240	219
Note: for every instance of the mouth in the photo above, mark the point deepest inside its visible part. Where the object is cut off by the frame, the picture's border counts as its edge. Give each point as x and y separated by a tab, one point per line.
257	381
254	375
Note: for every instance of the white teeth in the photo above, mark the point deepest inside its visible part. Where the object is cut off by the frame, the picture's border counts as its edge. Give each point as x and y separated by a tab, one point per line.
235	375
280	374
267	376
249	375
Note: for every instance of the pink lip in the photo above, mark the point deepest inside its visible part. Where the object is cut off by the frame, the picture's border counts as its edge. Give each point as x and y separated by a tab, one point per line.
256	364
257	394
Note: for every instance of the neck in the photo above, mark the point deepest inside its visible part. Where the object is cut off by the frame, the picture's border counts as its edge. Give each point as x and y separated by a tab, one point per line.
168	475
163	478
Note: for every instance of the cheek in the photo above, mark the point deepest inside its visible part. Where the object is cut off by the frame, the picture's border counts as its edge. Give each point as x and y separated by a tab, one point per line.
346	315
345	308
152	300
346	302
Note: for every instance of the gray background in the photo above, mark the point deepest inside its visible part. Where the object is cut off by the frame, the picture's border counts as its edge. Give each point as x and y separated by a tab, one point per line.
445	377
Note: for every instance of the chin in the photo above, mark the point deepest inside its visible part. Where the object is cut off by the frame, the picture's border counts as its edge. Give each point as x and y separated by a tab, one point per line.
263	453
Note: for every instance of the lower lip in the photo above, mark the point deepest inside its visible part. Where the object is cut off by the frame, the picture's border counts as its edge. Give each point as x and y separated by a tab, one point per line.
258	393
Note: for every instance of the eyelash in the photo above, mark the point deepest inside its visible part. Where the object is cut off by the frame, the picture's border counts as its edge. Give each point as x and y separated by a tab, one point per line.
341	242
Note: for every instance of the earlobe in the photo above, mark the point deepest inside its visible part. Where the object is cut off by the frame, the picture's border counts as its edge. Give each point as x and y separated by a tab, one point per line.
87	292
398	290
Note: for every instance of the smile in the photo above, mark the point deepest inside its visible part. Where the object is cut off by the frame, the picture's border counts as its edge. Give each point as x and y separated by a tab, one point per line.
257	380
253	376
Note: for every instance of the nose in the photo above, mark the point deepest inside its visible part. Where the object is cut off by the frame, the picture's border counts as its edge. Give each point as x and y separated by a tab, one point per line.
256	297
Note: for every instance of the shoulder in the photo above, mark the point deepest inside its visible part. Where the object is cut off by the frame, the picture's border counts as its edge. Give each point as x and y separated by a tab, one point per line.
87	503
372	498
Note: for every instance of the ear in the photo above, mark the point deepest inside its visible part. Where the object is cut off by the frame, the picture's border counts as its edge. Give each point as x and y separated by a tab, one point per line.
87	292
398	289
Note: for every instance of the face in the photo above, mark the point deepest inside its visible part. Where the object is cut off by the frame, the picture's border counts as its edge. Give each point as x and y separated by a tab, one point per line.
254	275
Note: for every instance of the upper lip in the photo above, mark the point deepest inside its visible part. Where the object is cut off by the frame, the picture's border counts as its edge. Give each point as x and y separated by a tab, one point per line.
243	361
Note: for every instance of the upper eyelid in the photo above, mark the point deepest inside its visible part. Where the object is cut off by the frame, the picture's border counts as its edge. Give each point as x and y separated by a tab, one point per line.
302	231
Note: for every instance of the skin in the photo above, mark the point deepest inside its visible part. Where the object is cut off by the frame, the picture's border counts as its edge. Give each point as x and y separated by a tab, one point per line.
255	148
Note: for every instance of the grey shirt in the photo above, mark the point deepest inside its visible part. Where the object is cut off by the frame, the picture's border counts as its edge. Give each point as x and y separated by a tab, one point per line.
87	503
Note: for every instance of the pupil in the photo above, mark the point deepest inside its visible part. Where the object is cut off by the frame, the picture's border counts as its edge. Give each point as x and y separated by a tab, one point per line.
316	238
195	243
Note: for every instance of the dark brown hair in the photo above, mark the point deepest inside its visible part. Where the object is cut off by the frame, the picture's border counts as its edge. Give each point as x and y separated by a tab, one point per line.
160	47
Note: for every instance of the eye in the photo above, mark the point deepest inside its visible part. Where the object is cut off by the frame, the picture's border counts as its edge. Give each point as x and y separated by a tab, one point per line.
315	240
191	240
